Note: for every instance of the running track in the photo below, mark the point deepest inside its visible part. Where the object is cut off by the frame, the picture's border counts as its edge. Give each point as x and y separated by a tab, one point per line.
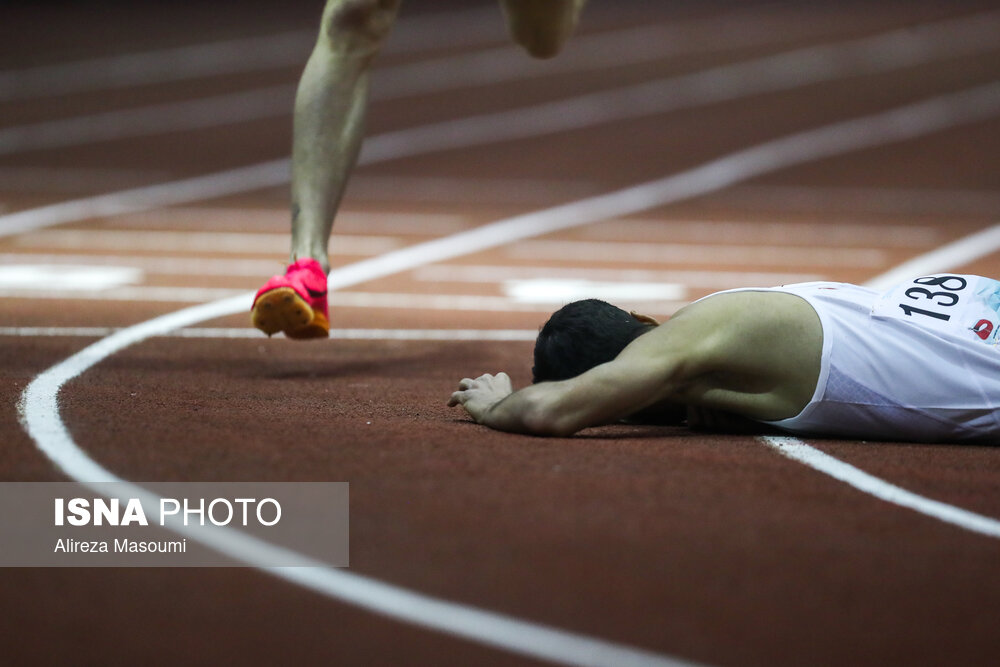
669	153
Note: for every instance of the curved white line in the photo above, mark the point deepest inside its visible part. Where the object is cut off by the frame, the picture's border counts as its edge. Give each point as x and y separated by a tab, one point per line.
795	449
39	411
948	256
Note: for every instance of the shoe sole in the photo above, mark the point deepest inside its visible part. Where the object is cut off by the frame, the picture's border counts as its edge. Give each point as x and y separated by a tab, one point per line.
282	309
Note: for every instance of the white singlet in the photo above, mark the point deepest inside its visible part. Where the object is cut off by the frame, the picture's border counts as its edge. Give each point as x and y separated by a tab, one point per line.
919	362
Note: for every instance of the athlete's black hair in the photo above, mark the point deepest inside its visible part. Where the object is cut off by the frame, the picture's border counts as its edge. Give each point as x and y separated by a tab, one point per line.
581	335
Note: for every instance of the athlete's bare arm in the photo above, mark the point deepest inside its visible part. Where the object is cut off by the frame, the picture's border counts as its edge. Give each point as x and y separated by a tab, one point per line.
753	354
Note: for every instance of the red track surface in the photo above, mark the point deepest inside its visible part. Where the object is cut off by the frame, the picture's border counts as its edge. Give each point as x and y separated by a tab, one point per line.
712	549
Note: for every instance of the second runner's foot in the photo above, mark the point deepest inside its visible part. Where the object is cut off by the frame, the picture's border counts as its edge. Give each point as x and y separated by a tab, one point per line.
294	303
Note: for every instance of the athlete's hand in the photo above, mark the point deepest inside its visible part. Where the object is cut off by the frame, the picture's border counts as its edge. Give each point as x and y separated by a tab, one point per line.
480	395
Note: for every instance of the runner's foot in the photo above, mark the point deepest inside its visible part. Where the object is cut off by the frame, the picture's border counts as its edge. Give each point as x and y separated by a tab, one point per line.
294	303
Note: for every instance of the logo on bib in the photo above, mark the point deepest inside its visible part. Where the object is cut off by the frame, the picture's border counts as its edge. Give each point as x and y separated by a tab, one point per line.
983	329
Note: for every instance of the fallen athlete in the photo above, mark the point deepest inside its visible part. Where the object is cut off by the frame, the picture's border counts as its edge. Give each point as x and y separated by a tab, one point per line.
919	362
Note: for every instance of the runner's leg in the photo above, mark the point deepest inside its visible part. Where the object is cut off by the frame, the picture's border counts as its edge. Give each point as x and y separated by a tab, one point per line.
330	110
542	26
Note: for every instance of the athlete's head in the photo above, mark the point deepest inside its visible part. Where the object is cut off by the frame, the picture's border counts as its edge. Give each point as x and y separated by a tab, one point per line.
581	335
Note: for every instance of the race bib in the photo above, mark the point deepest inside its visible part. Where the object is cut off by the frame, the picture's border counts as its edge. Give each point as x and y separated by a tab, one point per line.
964	305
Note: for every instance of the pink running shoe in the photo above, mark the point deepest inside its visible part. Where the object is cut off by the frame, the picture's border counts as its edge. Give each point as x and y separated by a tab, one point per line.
294	303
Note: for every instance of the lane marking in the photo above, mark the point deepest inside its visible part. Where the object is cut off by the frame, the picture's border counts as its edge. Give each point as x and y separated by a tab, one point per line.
359	244
506	63
896	201
753	232
956	253
66	277
511	303
695	253
948	257
783	71
797	450
247	54
159	265
51	180
480	273
484	273
449	335
193	242
275	220
888	51
39	413
558	291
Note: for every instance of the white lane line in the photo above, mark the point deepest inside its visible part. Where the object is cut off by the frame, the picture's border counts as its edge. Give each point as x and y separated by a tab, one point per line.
275	219
133	200
888	51
448	335
248	54
160	265
895	201
784	71
666	304
829	232
147	240
135	294
159	119
39	413
948	257
484	273
480	273
451	72
797	450
727	83
957	253
357	244
55	180
696	253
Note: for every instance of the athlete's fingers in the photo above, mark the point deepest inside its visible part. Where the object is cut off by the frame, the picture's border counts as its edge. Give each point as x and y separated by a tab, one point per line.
465	383
457	398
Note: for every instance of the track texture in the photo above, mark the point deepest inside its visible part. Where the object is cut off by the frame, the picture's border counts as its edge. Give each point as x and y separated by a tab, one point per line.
710	548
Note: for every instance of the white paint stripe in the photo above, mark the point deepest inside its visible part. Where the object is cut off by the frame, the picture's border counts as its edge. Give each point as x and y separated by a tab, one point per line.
693	253
39	410
909	202
338	299
224	218
137	294
194	241
957	253
885	52
828	232
781	72
480	273
160	119
784	71
159	66
249	54
199	188
950	256
449	335
488	66
483	273
586	52
54	180
795	449
160	265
